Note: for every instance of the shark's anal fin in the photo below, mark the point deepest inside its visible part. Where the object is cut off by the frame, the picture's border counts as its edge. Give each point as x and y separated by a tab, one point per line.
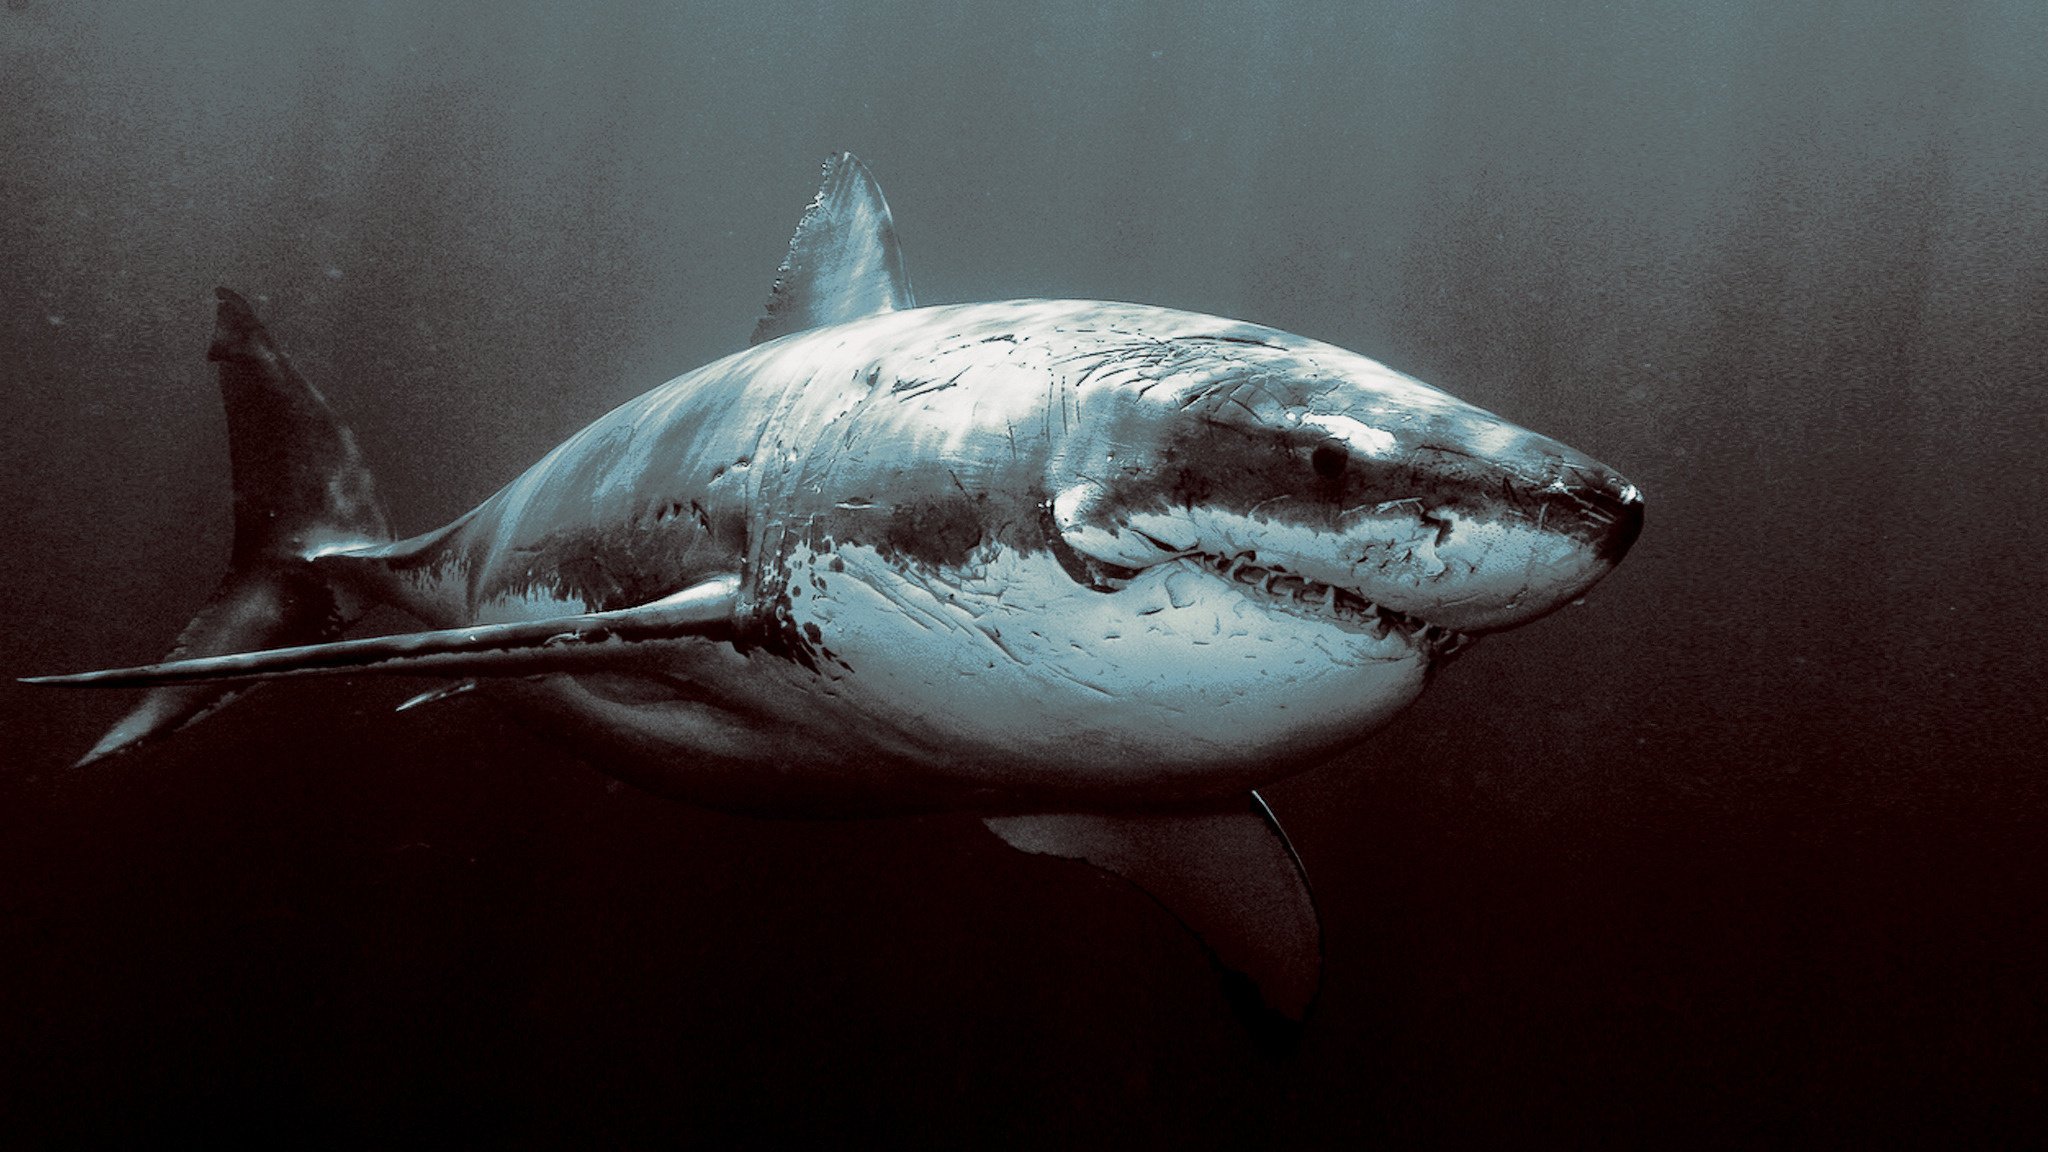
843	263
585	642
1228	874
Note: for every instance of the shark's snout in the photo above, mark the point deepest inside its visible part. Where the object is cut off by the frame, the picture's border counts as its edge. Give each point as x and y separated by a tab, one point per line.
1556	524
1479	525
1567	491
1617	506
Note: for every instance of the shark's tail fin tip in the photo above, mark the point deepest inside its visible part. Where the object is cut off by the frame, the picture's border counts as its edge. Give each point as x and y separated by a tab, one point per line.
234	325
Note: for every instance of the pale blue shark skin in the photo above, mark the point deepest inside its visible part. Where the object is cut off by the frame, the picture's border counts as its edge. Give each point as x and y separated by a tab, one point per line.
910	498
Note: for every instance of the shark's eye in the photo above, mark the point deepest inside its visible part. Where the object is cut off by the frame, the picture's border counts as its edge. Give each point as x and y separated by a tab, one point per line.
1329	460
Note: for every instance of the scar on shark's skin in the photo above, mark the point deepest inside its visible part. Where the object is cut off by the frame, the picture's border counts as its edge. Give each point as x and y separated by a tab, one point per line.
1090	571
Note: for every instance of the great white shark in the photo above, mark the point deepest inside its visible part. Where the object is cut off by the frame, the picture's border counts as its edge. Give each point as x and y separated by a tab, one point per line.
1092	571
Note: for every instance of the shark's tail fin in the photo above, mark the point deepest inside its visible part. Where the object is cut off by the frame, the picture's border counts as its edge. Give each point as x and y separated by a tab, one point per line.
300	490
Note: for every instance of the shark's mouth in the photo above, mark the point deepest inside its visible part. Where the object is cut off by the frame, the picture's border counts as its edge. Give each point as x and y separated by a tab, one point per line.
1269	584
1295	593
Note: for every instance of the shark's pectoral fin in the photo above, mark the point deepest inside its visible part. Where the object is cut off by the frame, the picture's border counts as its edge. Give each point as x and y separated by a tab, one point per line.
587	642
843	262
1229	875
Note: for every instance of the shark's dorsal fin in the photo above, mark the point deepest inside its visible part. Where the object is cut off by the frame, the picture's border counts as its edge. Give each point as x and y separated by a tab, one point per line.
1228	874
584	642
843	262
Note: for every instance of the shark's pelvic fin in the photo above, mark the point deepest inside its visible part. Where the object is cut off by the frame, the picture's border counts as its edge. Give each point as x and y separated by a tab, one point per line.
300	487
843	263
583	642
1229	875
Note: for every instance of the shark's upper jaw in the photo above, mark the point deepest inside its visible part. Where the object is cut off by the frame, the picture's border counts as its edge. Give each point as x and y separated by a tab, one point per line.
1111	560
1432	570
1276	588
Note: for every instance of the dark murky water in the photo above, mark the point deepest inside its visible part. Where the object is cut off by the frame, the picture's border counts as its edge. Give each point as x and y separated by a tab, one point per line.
1743	851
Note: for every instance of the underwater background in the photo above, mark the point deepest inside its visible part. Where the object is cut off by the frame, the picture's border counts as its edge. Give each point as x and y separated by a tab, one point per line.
1747	850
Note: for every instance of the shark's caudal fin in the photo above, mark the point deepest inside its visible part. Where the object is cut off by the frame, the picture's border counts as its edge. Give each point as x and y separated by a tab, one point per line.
300	488
843	262
1228	874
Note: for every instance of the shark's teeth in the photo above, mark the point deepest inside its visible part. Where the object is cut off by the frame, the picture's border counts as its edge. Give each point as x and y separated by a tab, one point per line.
1337	601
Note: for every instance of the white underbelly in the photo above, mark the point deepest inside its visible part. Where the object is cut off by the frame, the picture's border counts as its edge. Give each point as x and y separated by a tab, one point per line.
1008	662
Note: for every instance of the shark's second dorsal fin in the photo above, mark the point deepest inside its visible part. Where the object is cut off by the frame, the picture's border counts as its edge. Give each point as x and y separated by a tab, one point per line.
843	262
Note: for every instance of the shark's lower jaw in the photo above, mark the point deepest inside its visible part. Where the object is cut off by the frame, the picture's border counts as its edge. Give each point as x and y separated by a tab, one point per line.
1108	554
1343	606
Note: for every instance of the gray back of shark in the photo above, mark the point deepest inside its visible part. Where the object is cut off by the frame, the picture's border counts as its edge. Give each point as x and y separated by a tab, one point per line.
1093	571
